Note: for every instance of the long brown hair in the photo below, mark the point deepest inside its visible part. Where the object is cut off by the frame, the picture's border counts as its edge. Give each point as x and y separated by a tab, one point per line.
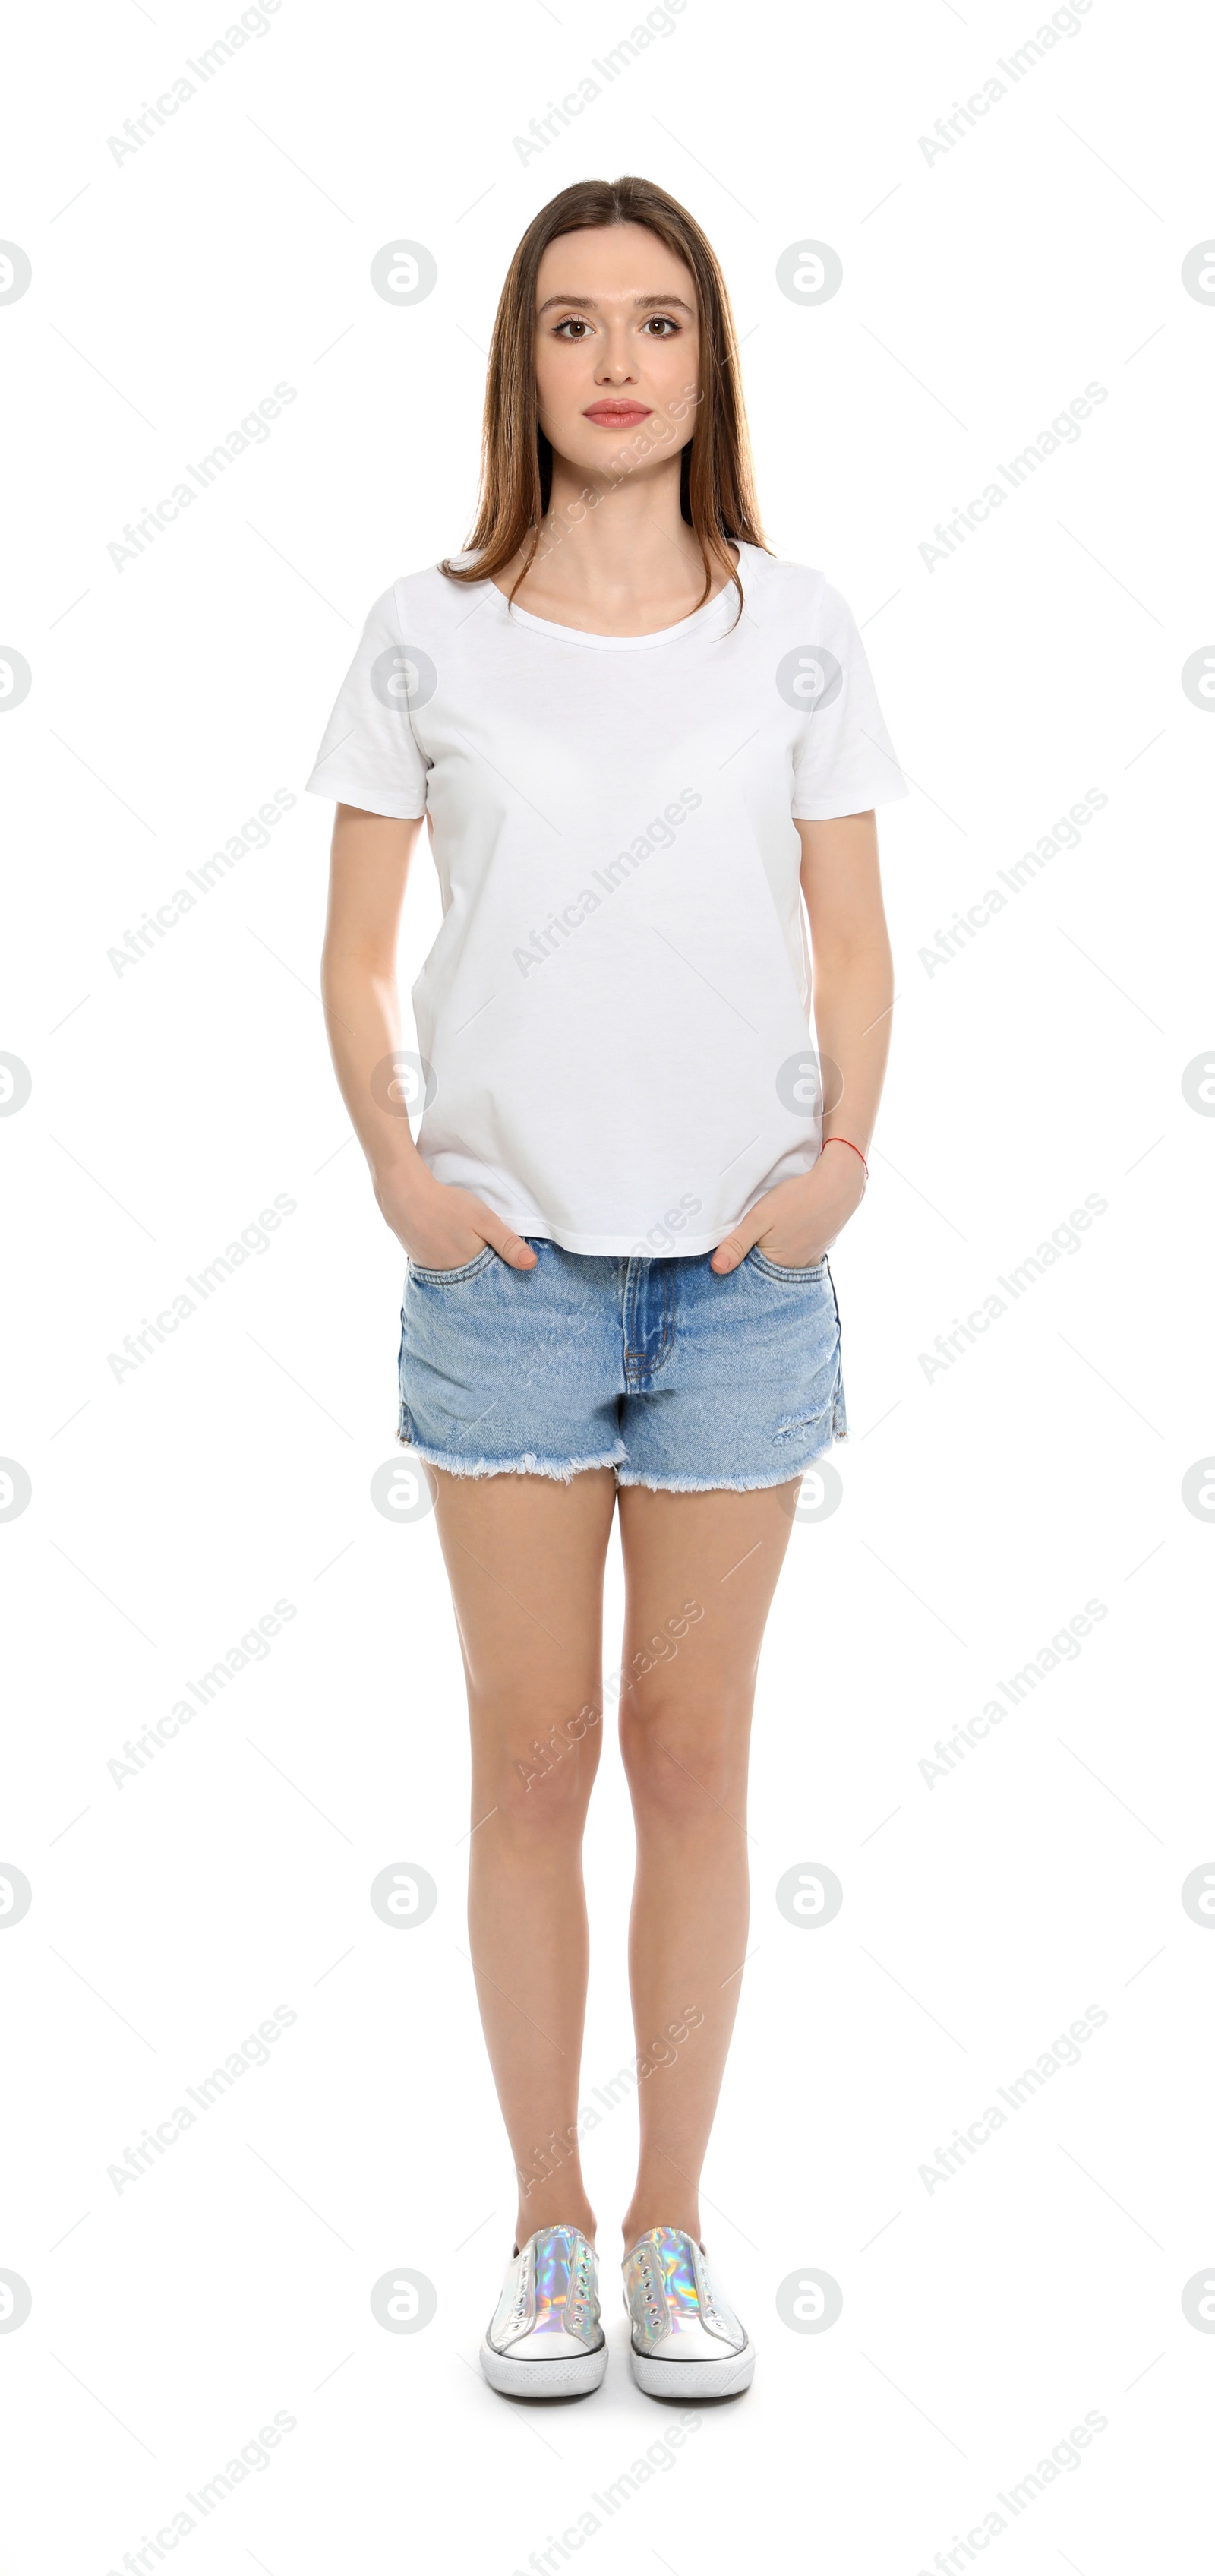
717	489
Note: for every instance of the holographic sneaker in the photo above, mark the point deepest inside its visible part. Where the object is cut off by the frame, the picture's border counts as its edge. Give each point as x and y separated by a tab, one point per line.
686	2342
545	2338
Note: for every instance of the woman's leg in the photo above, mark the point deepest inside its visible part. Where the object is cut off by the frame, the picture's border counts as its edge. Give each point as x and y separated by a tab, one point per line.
525	1558
684	1730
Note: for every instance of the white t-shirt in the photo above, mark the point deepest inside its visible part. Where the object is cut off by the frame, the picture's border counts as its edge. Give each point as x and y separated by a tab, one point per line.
614	1017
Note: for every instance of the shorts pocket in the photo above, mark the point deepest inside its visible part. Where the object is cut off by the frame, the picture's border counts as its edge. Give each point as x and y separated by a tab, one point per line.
776	1269
453	1278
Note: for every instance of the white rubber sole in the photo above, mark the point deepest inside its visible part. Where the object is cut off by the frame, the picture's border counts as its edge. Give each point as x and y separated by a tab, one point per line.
572	2376
724	2378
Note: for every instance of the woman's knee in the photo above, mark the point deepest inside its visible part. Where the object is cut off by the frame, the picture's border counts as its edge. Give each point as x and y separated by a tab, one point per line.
539	1772
685	1761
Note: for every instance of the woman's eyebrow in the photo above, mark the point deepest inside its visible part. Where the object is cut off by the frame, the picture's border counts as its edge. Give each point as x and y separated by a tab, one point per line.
590	303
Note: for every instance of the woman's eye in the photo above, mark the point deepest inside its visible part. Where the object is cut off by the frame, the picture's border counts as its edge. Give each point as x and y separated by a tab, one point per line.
662	324
574	322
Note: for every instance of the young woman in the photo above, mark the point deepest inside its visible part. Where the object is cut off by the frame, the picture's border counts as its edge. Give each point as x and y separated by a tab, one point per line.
634	735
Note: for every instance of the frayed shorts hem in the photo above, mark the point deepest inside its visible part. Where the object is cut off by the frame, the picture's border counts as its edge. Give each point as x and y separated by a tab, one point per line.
835	1430
561	1471
716	1484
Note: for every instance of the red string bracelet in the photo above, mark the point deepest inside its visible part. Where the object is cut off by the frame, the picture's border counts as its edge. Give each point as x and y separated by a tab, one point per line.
853	1149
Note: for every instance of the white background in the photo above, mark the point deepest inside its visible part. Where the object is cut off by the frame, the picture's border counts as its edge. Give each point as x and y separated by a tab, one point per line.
982	291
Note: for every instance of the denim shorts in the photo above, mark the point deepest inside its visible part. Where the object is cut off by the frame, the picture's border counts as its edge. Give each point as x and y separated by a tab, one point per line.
679	1379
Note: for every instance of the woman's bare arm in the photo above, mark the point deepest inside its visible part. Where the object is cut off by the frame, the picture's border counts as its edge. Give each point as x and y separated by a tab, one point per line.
853	971
440	1226
799	1220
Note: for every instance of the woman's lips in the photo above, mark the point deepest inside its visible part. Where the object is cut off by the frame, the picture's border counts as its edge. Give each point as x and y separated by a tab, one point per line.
607	415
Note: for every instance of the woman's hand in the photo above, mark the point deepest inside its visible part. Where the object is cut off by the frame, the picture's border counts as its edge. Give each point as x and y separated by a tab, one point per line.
440	1226
798	1221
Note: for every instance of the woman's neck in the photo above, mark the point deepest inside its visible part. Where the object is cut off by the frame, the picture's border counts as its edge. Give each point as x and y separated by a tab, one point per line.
615	557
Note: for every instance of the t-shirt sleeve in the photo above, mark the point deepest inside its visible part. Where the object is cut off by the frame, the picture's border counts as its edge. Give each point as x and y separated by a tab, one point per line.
369	756
845	760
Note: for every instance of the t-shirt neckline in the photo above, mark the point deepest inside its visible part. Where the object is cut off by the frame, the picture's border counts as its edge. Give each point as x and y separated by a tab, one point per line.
692	625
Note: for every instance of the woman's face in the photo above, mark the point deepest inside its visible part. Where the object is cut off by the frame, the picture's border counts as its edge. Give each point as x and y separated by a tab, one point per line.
616	349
